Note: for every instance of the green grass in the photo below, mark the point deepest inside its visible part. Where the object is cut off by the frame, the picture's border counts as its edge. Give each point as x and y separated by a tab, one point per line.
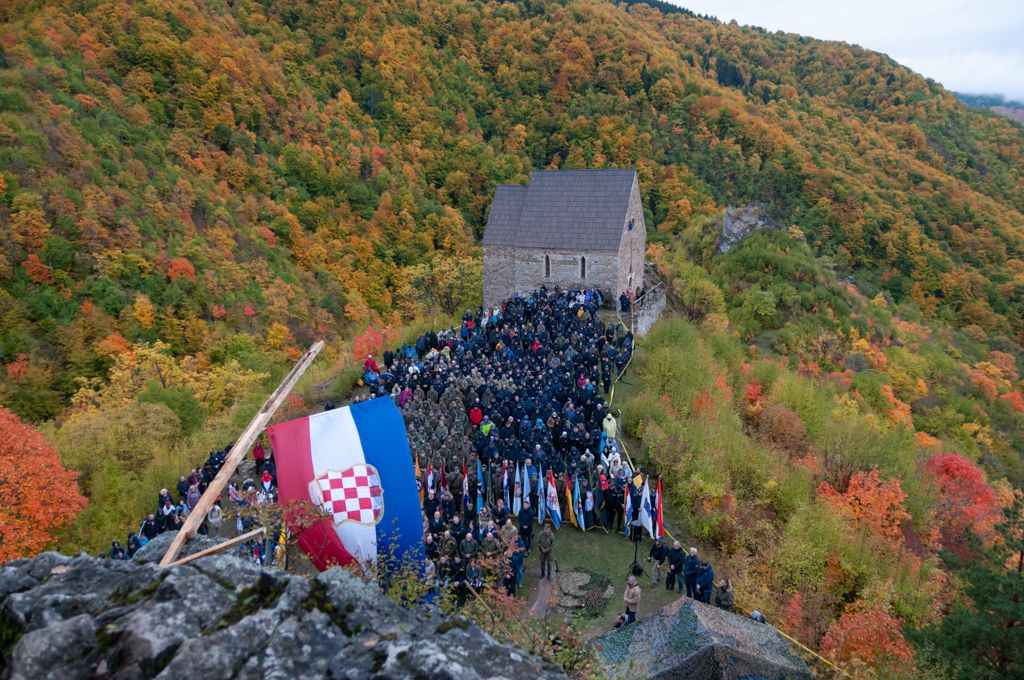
608	554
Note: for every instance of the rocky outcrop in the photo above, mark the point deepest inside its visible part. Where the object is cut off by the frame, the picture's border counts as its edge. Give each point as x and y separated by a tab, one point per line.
739	223
221	617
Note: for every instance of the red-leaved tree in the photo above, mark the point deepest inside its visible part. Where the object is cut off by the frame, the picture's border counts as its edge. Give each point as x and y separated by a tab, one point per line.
966	501
871	638
39	495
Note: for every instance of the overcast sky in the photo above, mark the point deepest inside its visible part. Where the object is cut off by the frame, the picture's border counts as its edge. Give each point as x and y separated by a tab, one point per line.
968	46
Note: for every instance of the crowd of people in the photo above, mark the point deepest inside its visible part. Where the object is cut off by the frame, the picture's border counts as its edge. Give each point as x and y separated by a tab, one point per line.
494	409
518	393
170	513
521	386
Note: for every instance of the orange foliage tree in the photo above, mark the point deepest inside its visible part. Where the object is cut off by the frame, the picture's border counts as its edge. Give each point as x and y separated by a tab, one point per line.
180	266
872	504
872	638
39	495
373	341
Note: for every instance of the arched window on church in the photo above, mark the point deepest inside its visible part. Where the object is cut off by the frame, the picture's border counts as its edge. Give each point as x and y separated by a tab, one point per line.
547	267
583	267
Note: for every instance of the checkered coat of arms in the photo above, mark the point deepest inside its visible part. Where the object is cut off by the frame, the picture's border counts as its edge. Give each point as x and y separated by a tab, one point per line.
350	495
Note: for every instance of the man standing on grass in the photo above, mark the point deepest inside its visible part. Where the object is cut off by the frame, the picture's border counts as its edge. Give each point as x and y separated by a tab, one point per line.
705	582
690	569
546	545
632	599
659	551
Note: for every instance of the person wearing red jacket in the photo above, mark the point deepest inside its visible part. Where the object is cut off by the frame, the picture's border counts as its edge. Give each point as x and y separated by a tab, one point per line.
476	416
258	455
371	364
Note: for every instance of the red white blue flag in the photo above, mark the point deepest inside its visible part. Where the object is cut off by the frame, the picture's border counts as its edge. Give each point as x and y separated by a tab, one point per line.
551	500
354	463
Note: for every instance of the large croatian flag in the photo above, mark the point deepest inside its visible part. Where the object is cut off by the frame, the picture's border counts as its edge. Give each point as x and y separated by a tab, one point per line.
354	463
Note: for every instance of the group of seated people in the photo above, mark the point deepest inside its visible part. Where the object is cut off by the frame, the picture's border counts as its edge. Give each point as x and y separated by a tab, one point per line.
170	514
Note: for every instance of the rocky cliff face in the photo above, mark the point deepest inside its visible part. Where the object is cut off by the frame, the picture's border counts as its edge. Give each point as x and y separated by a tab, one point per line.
221	617
739	223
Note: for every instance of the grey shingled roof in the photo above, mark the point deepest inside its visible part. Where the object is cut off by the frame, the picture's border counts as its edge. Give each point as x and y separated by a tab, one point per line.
562	209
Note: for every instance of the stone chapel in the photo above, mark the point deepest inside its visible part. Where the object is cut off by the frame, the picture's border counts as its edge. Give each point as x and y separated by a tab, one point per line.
565	229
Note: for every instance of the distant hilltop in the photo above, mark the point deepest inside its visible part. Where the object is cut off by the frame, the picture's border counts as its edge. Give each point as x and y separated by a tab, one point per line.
996	103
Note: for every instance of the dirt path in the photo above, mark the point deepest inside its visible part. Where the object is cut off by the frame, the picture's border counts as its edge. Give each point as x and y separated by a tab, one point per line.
539	599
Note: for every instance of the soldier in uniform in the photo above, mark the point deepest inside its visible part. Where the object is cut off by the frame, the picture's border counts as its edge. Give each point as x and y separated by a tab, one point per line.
546	547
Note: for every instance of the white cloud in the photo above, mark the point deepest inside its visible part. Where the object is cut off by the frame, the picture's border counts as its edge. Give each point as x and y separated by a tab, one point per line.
968	46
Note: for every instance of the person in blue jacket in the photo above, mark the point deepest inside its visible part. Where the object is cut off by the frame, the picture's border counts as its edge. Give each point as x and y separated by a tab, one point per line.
705	582
690	568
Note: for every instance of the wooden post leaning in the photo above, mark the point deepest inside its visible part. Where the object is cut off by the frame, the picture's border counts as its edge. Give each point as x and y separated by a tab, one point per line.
221	547
237	454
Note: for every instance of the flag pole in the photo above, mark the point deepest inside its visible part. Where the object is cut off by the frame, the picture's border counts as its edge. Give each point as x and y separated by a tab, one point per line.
237	453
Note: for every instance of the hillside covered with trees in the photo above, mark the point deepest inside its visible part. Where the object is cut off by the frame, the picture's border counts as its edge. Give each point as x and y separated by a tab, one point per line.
193	190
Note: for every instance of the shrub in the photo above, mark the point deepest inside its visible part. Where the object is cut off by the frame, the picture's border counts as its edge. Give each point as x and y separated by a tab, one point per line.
782	427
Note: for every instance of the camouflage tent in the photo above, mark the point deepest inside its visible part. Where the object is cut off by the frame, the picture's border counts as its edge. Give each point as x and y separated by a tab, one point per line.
689	639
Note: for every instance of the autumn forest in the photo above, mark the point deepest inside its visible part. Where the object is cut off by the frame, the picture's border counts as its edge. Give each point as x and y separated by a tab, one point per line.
192	191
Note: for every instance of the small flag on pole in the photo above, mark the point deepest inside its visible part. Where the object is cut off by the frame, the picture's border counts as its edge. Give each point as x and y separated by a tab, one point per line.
551	498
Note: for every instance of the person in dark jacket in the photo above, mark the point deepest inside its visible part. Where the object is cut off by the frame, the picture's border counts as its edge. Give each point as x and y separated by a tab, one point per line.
431	503
149	527
182	487
133	544
526	524
657	555
676	558
723	595
436	525
705	582
690	568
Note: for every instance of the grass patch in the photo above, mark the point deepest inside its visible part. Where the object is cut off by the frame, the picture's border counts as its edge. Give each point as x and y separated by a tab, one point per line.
606	557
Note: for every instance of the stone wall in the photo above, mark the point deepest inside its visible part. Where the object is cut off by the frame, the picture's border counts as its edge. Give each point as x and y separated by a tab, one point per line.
632	246
510	271
647	314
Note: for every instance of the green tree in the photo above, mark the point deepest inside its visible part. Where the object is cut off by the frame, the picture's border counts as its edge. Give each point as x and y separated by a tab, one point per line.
983	637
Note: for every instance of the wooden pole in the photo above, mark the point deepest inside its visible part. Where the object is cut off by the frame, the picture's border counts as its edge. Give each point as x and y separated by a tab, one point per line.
237	453
220	546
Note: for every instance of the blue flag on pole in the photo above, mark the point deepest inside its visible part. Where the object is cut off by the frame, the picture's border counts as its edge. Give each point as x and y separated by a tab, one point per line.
540	497
578	503
479	487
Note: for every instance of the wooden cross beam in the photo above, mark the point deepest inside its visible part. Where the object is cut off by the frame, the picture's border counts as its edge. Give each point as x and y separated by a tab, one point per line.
220	547
237	453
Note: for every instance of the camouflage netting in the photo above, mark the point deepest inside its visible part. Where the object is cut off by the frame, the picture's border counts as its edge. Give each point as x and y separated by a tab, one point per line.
692	640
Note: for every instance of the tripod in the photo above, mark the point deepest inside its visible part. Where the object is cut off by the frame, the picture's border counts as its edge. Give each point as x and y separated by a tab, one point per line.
635	534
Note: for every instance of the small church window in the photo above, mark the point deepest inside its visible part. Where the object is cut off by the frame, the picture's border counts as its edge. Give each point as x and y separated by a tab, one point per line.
547	267
629	227
583	267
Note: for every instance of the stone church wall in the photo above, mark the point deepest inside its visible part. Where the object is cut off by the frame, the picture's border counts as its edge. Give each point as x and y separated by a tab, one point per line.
632	246
509	271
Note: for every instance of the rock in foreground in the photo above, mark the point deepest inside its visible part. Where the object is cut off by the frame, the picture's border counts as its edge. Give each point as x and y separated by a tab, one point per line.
692	640
221	617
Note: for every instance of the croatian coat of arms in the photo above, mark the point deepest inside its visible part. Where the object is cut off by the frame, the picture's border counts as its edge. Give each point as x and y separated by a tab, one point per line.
350	495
